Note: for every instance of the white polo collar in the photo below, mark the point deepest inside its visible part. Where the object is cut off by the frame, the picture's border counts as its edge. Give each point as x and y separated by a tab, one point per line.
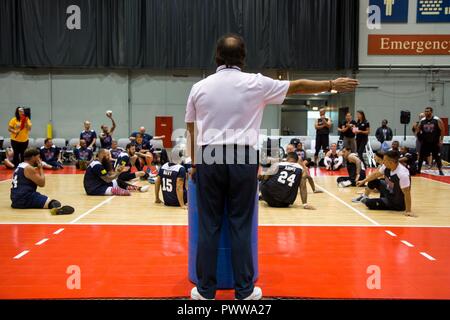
224	67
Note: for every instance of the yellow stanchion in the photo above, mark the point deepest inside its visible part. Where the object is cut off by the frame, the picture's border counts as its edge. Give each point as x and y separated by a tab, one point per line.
49	131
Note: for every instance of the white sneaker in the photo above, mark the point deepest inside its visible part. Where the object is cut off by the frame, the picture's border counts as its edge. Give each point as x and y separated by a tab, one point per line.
144	188
195	295
344	184
359	199
256	294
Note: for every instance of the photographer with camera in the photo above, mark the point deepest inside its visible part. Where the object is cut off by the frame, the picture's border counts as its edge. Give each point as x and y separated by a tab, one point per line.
19	127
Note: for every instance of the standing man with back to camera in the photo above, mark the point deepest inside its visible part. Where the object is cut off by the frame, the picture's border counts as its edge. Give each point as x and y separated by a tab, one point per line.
226	110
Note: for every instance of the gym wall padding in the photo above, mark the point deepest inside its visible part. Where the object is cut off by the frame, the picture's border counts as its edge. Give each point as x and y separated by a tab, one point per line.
155	34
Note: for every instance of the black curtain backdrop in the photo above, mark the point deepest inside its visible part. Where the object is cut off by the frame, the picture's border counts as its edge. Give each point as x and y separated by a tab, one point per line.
179	34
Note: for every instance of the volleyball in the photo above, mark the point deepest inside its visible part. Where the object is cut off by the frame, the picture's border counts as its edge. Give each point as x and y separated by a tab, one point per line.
109	113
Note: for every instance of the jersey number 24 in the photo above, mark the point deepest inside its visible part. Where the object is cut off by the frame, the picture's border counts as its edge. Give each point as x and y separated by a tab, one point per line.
284	177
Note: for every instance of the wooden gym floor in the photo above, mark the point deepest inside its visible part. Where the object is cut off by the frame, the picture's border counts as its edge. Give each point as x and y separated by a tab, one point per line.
130	247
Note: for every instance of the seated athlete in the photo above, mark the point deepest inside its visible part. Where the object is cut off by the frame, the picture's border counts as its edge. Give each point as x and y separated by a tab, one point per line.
50	154
280	188
9	159
306	176
395	146
100	179
106	134
128	159
26	178
144	151
302	154
408	160
333	160
395	189
115	151
172	179
355	168
83	155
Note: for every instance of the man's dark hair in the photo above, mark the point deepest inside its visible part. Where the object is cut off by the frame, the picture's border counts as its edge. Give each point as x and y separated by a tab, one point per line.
429	108
379	154
30	153
128	146
293	156
348	149
230	51
46	140
393	155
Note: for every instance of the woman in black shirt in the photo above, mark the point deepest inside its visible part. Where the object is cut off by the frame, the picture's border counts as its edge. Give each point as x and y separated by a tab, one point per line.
362	131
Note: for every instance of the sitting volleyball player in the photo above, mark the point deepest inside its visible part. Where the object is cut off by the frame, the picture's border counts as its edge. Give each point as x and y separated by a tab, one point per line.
172	180
279	189
304	164
333	160
9	158
395	188
100	180
128	159
83	155
50	154
355	168
26	178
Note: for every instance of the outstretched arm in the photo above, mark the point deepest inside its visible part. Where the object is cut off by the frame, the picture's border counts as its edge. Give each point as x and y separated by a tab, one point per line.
311	86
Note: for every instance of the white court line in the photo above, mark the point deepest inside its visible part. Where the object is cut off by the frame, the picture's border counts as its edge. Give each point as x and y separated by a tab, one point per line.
390	233
93	209
20	255
41	242
3	181
429	179
58	231
426	255
406	243
185	224
348	206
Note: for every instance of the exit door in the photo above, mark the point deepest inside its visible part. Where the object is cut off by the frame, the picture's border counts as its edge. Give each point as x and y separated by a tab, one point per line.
164	126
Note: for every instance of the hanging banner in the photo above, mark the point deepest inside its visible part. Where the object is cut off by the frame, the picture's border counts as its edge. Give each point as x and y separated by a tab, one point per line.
412	44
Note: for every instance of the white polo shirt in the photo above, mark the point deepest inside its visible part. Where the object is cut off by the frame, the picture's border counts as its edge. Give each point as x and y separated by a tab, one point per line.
228	106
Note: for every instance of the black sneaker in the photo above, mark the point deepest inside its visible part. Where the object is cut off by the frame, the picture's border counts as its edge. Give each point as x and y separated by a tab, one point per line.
62	210
441	173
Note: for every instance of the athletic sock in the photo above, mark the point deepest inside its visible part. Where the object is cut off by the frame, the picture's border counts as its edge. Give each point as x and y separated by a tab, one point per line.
119	191
132	188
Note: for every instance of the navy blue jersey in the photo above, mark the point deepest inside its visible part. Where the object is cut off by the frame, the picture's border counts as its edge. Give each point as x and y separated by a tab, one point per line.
169	173
106	141
283	185
123	160
88	136
93	182
115	153
83	154
145	137
49	154
22	187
